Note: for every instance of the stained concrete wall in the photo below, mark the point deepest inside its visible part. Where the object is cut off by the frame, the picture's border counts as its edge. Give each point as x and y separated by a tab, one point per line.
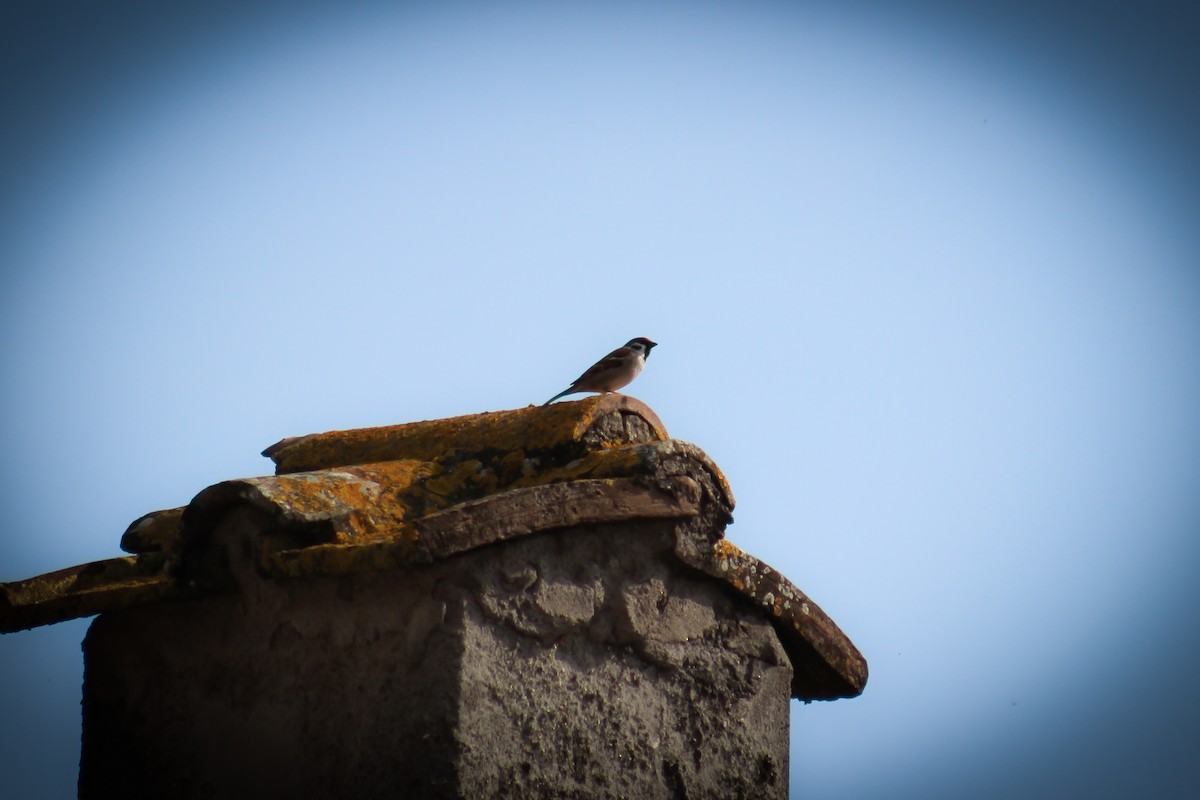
582	663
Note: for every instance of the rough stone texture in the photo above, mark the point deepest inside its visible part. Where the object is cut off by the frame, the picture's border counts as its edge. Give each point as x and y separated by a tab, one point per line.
597	668
584	663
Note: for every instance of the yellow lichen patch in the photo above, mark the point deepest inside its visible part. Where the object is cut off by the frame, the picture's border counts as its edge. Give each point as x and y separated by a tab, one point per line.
158	531
339	559
628	461
740	568
43	587
725	549
343	505
360	503
466	480
623	462
511	467
84	590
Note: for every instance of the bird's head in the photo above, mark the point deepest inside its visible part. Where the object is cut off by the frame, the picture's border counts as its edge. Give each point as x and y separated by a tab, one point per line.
641	345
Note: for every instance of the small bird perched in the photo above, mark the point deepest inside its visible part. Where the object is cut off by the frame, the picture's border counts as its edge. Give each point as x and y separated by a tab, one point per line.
613	371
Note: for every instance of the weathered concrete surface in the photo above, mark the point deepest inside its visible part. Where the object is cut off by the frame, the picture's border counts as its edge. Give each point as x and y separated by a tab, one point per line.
584	663
597	668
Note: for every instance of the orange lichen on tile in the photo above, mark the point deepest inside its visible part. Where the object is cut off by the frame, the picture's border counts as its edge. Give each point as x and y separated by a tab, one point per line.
532	429
379	504
350	504
365	517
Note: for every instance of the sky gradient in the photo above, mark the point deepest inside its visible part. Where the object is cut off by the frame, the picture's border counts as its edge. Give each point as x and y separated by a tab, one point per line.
924	281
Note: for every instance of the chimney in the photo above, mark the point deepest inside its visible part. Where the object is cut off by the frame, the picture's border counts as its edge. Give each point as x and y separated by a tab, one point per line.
528	603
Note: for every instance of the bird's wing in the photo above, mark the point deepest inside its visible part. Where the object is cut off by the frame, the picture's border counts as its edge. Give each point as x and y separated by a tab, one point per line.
614	360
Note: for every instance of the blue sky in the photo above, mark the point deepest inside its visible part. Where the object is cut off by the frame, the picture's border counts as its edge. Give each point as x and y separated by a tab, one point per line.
924	282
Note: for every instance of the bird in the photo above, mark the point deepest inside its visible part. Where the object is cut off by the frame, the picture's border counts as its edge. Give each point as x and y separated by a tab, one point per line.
615	370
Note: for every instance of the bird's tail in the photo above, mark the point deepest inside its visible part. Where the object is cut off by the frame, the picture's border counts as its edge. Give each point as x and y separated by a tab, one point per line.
563	393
